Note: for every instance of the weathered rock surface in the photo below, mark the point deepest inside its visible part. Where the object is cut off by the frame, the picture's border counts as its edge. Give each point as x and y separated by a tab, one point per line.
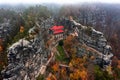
27	57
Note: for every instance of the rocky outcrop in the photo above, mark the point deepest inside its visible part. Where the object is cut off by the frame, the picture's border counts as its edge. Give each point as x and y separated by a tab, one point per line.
96	40
27	58
92	38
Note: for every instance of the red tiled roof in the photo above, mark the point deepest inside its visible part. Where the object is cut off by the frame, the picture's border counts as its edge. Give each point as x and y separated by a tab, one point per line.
58	31
57	28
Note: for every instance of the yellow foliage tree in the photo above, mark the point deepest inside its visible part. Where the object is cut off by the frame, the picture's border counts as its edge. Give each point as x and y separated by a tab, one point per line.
92	57
84	58
109	69
78	74
73	51
79	71
21	29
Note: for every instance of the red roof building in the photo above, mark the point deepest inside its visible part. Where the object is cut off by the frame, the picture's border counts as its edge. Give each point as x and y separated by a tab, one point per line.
57	29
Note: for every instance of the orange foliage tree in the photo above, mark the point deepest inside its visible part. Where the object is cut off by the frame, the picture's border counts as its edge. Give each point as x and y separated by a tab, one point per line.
51	77
78	74
55	67
79	71
70	46
1	48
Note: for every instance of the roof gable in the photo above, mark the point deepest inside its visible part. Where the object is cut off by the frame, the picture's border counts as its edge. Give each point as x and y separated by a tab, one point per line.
57	28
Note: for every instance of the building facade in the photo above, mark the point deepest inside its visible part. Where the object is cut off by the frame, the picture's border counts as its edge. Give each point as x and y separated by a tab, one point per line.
57	31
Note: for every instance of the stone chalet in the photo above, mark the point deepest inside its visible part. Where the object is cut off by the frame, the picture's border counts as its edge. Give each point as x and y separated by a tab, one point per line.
57	31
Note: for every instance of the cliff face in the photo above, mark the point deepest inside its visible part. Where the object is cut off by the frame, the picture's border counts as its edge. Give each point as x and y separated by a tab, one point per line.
26	57
94	39
25	60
